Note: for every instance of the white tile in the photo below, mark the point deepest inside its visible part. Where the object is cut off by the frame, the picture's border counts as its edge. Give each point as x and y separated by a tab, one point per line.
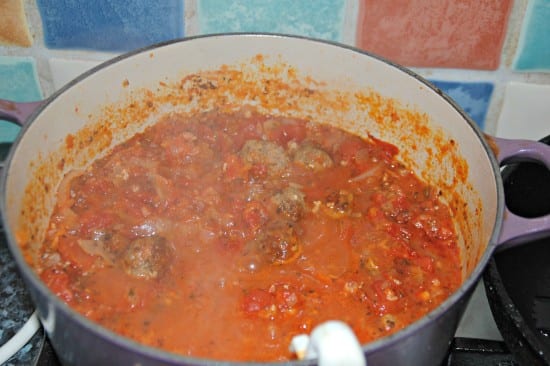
65	70
525	111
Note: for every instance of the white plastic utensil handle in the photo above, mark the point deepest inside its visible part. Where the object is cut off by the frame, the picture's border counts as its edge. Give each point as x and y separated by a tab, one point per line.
333	343
20	338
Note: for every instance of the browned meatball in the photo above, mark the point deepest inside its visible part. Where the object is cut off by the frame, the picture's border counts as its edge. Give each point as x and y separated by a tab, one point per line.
338	204
312	157
146	257
278	242
289	203
266	153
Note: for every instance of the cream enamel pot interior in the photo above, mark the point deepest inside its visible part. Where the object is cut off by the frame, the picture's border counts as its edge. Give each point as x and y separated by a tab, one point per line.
282	75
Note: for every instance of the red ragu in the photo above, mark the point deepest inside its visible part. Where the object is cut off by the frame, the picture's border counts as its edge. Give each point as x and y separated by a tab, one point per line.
223	235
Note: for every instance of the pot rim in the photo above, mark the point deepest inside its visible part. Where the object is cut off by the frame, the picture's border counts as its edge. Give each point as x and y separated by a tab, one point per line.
379	344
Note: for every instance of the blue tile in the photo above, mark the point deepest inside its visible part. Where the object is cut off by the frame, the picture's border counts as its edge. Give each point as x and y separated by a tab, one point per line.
533	53
318	19
110	25
19	83
472	97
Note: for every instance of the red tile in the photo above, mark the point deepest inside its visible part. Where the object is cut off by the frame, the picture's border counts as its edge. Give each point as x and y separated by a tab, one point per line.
435	33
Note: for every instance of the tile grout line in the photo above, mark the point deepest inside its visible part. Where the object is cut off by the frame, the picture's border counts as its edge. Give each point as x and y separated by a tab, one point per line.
499	78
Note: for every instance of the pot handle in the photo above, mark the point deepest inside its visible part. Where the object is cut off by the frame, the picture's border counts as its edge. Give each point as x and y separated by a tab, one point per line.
18	112
516	229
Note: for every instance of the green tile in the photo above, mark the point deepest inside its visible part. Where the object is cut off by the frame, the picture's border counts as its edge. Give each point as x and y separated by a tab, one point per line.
319	19
533	53
19	83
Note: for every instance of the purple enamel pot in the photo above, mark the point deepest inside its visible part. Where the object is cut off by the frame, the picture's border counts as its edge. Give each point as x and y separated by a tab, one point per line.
323	81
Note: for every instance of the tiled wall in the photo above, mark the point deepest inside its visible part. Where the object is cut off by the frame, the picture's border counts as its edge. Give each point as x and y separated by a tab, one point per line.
491	56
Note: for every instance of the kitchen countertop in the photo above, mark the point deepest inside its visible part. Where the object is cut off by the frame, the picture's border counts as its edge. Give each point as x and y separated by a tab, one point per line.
15	308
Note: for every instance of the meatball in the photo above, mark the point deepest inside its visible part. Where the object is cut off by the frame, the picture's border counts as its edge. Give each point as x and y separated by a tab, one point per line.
278	242
312	157
146	257
267	153
338	204
289	203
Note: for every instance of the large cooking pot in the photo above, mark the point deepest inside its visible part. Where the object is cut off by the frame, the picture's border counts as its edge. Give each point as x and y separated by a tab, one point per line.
282	75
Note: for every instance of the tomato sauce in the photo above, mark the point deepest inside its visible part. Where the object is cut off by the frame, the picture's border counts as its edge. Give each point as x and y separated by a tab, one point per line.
223	235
